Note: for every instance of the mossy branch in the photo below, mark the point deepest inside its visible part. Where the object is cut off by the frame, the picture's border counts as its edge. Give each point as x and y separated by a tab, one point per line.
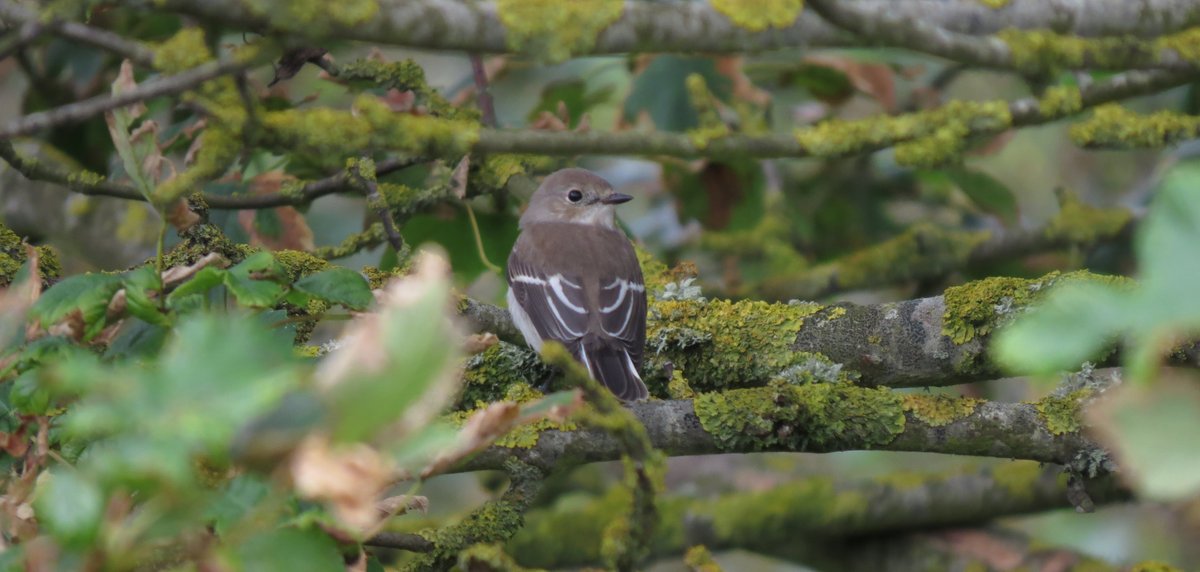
684	27
821	418
814	512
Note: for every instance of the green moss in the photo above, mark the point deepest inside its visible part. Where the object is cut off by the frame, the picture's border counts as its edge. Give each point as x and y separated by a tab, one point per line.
377	278
1080	223
494	171
782	416
1186	43
183	51
404	75
354	242
13	256
977	308
220	146
771	518
721	343
941	409
300	264
1114	127
1061	415
915	252
327	133
678	387
933	137
699	559
654	273
1017	477
490	557
758	15
1060	101
200	240
488	375
555	30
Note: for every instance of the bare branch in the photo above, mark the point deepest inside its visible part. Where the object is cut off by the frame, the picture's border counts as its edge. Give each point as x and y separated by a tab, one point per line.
79	111
103	39
363	172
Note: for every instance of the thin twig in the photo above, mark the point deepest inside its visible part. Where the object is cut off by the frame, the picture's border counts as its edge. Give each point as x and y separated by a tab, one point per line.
400	541
376	202
131	50
482	94
79	111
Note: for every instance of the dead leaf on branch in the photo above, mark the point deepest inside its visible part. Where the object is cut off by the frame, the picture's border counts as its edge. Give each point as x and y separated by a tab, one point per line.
347	478
478	343
872	79
279	228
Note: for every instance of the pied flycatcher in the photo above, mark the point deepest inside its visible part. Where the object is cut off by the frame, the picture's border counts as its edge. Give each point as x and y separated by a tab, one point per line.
575	279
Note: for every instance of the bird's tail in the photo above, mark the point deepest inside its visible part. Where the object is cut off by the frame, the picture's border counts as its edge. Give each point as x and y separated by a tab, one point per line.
612	366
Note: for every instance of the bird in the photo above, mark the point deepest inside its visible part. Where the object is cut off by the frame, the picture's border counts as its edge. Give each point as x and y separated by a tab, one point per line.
574	278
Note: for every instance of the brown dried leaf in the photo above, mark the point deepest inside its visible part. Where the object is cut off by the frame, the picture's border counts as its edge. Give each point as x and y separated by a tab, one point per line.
402	504
743	88
180	216
875	80
348	479
15	444
179	274
294	232
124	84
547	121
478	343
289	65
458	179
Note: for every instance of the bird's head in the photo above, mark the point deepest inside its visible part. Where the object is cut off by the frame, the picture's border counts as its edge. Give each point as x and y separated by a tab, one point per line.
574	195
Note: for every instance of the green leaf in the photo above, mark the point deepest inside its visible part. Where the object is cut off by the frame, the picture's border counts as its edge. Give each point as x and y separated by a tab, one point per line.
203	281
1152	433
89	294
70	507
237	498
139	283
1072	325
661	91
290	549
338	286
574	94
28	396
453	233
987	193
257	281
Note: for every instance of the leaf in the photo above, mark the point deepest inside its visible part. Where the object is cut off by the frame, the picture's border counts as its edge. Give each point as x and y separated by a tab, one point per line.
70	507
721	195
139	284
575	98
450	229
1153	433
873	79
338	286
290	549
279	228
204	280
237	498
1072	325
399	364
346	477
257	281
18	297
987	193
28	396
83	299
661	91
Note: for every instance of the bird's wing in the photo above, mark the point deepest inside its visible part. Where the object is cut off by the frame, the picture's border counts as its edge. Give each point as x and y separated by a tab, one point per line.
554	302
622	308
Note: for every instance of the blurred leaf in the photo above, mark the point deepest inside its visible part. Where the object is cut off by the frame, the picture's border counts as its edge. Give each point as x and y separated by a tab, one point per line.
290	549
139	284
987	193
70	507
397	364
1073	325
237	498
280	228
17	298
120	121
873	79
723	196
1152	433
256	282
573	93
28	396
825	83
661	91
338	286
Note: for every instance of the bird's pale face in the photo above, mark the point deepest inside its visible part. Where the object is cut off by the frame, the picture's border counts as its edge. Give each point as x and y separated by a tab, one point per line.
575	196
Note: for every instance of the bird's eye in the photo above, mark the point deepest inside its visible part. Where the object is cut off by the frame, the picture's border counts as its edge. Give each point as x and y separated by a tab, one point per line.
575	195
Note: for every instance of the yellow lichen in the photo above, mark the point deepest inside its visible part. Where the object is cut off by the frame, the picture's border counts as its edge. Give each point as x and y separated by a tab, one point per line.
1080	223
1114	127
313	16
995	4
678	387
1060	100
931	137
553	29
1017	477
183	51
699	559
1186	43
758	15
941	409
1061	415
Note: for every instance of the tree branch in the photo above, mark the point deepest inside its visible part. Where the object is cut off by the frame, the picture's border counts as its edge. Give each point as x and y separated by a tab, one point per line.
698	27
1004	430
103	39
79	111
816	510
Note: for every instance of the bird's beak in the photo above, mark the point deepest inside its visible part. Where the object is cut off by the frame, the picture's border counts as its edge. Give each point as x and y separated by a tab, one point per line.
616	198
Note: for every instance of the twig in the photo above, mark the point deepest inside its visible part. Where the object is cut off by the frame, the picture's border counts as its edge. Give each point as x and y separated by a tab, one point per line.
363	171
79	111
400	541
83	183
482	94
24	36
131	50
